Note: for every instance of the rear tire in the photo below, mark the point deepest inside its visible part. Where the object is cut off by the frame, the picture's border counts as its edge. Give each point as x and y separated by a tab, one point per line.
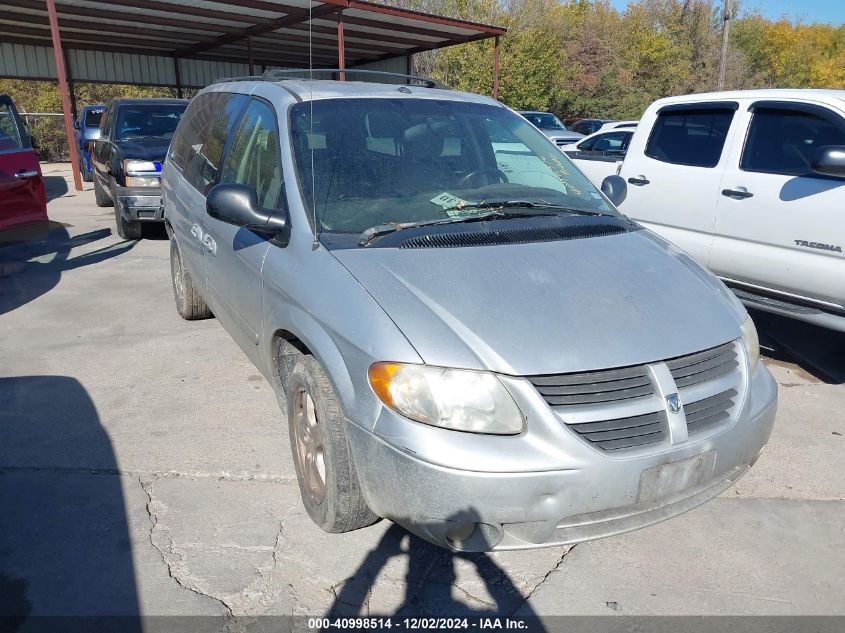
189	304
328	482
101	198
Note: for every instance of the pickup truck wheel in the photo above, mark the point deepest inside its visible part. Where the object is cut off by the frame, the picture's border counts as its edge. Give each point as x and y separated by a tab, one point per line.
126	229
328	482
101	198
189	304
86	176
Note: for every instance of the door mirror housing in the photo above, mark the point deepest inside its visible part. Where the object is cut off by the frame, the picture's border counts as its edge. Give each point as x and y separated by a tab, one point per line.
76	125
830	161
615	188
238	205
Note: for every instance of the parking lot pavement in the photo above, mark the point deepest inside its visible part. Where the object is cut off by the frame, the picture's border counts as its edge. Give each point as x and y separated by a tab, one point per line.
145	467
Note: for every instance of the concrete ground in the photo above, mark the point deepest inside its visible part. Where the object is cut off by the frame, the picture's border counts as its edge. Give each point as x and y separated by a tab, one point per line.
145	468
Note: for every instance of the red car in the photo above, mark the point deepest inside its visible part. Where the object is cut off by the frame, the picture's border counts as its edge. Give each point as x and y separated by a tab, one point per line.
23	201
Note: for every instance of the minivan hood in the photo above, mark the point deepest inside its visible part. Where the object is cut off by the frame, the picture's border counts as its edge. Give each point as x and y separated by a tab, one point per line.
154	149
551	307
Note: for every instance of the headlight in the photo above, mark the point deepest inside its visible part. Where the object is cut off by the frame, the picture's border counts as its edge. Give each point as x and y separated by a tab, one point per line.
138	166
457	399
751	343
142	181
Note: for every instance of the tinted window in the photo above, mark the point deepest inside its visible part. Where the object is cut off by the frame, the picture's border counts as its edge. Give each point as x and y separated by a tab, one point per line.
253	158
586	127
10	135
92	118
610	142
544	120
786	141
689	137
147	120
198	144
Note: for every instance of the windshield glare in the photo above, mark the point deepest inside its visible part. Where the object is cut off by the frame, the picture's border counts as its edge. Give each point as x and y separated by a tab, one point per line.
140	121
366	162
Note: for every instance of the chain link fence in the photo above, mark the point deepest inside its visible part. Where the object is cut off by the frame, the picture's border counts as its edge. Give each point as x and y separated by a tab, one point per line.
47	130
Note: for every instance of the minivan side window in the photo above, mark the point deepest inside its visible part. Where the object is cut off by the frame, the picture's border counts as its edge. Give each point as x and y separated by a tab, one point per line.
197	147
689	136
786	141
253	158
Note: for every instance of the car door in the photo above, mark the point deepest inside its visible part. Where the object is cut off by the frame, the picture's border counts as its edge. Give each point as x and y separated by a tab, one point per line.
22	196
234	255
779	226
673	172
599	156
101	156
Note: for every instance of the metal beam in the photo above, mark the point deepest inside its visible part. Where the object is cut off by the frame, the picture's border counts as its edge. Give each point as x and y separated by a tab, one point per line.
177	75
63	92
496	67
341	55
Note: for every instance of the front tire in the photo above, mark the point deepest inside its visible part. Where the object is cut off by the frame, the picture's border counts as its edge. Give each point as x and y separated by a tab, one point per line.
101	198
328	482
189	304
126	229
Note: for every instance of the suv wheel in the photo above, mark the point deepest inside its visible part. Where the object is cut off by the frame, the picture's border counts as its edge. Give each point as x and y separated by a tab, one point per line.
189	304
126	229
328	482
101	198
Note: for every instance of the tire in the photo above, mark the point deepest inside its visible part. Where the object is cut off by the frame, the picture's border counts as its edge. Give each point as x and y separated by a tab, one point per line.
101	198
126	229
86	176
328	482
189	304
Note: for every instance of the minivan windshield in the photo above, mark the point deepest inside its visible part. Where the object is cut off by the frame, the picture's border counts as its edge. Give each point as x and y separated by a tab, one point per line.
148	120
544	120
364	162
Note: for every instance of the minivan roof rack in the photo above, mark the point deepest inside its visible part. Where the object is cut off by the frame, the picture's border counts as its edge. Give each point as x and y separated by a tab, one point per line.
279	74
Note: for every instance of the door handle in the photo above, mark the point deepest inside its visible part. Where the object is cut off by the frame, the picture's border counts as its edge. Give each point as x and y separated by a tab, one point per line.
639	181
736	194
26	173
210	244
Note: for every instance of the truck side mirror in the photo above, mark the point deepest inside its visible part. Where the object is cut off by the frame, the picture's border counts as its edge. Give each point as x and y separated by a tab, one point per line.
76	125
615	188
238	205
830	161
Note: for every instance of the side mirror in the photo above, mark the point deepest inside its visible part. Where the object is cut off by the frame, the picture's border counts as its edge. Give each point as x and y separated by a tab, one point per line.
238	205
615	188
830	161
76	125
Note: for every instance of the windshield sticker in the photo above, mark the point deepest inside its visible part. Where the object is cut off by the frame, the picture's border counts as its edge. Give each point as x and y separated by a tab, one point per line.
448	201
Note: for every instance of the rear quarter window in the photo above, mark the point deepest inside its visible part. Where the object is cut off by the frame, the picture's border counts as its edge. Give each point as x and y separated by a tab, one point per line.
690	136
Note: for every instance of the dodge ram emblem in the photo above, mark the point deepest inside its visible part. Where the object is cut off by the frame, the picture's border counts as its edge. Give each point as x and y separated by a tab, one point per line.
674	402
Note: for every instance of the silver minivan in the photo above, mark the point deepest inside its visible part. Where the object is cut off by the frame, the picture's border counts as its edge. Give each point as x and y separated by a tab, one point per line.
466	336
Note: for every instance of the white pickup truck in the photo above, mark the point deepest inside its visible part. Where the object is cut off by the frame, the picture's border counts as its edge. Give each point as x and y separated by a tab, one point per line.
751	184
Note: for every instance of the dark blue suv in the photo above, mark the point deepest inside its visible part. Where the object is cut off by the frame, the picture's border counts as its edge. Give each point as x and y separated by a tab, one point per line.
87	127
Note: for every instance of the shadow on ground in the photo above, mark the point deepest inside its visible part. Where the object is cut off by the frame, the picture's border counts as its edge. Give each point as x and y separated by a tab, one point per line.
430	583
55	187
65	550
31	269
819	352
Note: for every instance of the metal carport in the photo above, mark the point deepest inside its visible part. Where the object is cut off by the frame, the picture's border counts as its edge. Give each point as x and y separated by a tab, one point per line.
189	43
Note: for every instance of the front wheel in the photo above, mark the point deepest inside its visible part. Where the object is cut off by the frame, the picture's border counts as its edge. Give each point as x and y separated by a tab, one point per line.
126	229
328	482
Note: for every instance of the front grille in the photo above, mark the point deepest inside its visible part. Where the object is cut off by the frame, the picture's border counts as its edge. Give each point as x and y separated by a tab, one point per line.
562	141
711	411
594	387
702	366
612	435
617	409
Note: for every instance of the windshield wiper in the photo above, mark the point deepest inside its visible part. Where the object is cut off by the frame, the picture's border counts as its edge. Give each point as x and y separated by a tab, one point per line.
496	212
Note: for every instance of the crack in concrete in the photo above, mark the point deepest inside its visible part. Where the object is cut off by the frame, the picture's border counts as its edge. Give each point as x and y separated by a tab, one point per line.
547	575
146	487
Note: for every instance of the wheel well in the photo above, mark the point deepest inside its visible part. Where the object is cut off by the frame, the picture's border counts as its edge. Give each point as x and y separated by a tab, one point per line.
287	348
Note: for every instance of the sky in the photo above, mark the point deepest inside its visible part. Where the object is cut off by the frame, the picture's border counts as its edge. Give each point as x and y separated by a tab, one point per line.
830	11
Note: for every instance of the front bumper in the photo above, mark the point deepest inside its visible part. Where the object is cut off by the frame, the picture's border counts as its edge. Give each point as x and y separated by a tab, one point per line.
142	204
593	497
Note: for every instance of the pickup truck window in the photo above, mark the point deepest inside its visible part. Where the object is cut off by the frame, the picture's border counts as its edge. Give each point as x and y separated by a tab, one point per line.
198	144
92	117
785	141
690	137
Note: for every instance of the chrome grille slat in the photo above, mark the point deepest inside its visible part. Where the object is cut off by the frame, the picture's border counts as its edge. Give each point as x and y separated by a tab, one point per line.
708	403
609	375
619	434
691	359
619	423
717	418
710	411
602	396
615	445
715	372
704	365
596	387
